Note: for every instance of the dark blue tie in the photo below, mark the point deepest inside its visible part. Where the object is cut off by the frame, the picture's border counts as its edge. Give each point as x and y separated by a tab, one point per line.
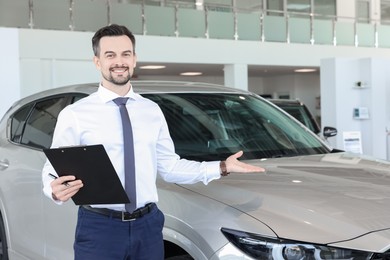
128	148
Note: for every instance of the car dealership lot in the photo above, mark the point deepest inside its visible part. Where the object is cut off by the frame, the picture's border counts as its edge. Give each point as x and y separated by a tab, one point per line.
310	204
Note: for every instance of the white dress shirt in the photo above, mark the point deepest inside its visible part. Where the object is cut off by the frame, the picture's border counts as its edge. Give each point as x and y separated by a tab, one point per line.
96	120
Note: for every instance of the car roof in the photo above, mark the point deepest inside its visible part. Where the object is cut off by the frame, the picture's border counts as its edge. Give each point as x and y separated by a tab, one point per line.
141	87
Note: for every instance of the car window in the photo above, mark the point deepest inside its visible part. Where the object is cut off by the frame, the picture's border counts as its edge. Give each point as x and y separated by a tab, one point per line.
33	125
18	122
77	97
41	122
212	126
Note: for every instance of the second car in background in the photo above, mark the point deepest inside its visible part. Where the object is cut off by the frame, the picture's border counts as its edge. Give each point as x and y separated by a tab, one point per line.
300	111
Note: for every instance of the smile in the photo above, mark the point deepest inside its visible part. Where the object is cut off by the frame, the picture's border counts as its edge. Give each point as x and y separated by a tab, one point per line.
119	70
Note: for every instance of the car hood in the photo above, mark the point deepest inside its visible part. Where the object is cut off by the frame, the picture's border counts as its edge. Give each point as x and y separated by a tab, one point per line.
325	199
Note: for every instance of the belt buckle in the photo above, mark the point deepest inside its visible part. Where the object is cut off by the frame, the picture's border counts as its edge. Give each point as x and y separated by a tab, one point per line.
124	218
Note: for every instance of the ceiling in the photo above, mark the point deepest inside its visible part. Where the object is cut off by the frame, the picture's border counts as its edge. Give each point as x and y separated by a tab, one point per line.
215	70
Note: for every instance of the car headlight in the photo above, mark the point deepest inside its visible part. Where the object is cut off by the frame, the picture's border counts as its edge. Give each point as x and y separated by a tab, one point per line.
261	247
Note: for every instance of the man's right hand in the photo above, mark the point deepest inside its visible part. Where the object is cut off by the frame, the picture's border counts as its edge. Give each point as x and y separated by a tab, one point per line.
63	188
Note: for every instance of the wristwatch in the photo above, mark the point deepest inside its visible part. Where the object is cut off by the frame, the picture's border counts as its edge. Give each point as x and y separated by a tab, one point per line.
222	166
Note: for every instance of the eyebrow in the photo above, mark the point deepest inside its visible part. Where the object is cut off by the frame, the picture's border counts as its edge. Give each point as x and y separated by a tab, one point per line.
107	52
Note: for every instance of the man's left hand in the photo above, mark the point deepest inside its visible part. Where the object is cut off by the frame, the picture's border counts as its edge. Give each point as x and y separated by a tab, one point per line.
234	165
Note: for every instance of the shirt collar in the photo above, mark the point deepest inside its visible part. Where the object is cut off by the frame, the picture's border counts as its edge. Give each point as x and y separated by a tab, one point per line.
107	95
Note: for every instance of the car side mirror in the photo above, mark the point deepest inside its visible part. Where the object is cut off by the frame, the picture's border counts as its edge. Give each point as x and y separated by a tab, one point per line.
329	131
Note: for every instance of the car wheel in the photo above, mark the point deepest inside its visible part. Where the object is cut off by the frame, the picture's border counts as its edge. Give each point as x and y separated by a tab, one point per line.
3	241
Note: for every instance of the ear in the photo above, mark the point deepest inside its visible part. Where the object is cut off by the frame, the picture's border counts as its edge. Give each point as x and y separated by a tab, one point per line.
135	61
96	60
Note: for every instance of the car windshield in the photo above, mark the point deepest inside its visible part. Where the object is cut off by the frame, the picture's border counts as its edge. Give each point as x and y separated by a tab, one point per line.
207	126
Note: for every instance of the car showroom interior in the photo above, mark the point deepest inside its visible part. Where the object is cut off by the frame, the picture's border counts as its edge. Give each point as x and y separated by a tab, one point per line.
301	86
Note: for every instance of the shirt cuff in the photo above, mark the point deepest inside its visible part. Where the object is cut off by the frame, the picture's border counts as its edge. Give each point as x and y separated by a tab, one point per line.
213	171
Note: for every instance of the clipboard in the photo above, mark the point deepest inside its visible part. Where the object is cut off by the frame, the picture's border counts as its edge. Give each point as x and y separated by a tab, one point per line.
92	165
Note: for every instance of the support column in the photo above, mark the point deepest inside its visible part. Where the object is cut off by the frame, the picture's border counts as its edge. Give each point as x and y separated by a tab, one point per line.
236	76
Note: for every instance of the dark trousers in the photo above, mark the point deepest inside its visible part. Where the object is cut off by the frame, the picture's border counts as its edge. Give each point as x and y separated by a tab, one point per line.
101	237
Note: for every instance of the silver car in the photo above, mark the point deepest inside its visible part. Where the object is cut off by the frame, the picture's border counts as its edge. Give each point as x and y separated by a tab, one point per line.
312	202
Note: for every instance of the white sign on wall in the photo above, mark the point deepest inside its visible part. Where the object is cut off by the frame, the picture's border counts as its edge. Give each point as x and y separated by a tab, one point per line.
353	142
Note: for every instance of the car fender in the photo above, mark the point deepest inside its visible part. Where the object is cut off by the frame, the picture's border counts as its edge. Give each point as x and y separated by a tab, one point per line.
184	243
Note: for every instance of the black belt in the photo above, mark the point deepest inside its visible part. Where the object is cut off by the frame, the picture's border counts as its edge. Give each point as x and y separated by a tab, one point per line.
123	215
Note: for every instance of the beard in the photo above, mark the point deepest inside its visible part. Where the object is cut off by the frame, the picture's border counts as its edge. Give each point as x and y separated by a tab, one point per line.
123	80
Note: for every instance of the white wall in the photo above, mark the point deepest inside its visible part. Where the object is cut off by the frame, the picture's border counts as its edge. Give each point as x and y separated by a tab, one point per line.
256	85
51	59
346	9
340	95
305	87
9	68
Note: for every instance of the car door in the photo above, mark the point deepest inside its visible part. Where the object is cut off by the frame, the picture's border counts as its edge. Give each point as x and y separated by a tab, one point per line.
30	128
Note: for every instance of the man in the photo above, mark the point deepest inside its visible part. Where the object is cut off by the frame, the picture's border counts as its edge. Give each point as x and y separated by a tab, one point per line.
100	231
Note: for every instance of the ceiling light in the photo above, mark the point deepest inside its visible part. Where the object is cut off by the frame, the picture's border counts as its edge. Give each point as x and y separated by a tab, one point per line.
191	73
305	70
152	67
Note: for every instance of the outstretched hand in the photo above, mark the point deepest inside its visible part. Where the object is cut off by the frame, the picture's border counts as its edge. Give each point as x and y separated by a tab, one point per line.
234	165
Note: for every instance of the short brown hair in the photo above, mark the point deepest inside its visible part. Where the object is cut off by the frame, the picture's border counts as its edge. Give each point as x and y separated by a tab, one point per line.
110	30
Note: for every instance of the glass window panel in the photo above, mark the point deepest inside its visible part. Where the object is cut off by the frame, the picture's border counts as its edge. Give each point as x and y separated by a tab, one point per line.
146	2
275	7
221	25
219	5
323	31
299	6
160	20
363	11
299	29
129	15
384	36
14	13
186	20
254	5
385	12
219	2
188	4
49	14
325	8
366	34
248	26
275	28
